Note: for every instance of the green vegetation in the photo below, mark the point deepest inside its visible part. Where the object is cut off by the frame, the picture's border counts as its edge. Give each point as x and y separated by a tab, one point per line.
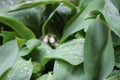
59	40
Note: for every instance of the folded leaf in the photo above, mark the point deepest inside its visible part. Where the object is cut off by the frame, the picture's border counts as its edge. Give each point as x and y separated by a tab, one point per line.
112	17
98	52
78	22
66	71
48	76
22	70
72	52
20	28
33	3
8	55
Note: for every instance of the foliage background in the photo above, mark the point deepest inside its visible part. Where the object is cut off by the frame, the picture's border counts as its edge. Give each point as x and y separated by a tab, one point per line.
59	39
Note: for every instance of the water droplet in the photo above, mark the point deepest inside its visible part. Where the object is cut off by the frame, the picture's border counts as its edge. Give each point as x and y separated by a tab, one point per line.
11	2
29	72
24	64
76	57
82	40
9	77
28	1
64	9
57	66
3	3
25	68
21	71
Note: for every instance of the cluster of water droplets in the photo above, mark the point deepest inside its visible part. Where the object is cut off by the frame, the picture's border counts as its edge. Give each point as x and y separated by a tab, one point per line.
110	11
57	66
26	72
64	9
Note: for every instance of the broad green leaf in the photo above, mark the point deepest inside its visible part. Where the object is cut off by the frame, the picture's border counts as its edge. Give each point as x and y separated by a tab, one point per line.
33	3
83	24
48	76
22	70
30	45
30	17
78	22
83	3
112	17
116	3
98	52
8	55
37	50
61	16
65	71
8	4
72	52
20	28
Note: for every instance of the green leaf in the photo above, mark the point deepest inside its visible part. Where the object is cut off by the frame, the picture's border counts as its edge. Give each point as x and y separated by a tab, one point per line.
116	3
20	42
8	4
30	45
22	70
83	3
8	55
36	67
37	50
7	36
72	52
112	18
33	3
29	17
20	28
48	76
78	22
98	52
65	71
61	16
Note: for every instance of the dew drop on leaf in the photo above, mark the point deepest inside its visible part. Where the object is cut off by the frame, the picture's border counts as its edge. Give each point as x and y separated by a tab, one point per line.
25	68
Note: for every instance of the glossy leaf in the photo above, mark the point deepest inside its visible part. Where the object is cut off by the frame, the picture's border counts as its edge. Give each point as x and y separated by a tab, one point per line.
22	70
48	76
116	3
65	71
8	55
98	52
78	22
29	17
61	15
30	45
20	28
31	3
37	50
112	18
8	4
72	52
